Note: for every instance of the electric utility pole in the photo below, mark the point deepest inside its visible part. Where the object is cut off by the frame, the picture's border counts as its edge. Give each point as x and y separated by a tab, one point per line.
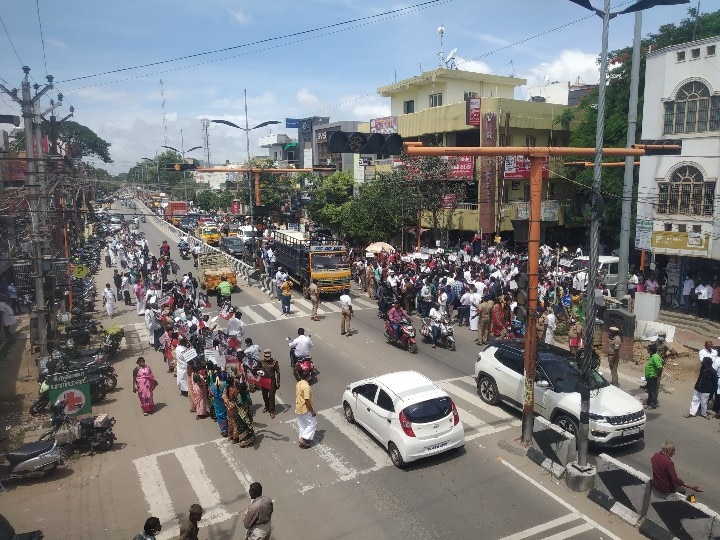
30	106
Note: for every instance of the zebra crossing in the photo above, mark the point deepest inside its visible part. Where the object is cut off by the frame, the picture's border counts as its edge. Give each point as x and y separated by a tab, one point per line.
343	452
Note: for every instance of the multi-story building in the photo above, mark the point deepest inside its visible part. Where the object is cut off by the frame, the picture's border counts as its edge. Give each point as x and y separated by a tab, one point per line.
461	108
281	149
677	214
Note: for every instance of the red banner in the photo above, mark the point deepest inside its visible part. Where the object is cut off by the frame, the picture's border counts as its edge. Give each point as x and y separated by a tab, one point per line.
257	380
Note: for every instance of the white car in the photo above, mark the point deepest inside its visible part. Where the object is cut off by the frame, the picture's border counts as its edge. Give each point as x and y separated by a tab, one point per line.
616	417
407	413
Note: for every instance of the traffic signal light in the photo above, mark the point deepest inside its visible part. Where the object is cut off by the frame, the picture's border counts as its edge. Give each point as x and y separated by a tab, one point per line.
364	143
521	294
180	166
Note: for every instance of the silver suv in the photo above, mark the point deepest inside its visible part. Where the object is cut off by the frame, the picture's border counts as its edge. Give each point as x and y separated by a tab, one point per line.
616	417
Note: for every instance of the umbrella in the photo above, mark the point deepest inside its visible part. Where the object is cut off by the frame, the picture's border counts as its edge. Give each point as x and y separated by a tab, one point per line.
378	247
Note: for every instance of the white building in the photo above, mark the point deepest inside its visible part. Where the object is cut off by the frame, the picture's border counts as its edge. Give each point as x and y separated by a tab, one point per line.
677	210
217	179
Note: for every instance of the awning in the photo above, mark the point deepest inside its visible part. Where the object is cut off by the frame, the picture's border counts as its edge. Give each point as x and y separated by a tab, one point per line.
291	145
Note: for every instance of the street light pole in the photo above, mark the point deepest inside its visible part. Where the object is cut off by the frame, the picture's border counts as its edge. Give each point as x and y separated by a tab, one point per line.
182	153
249	166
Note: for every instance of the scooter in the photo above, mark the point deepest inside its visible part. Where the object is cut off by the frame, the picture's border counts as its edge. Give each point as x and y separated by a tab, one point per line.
98	391
94	432
32	460
184	251
405	337
445	339
302	363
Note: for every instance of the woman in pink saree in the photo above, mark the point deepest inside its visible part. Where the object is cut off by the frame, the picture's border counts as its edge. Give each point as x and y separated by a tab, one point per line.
200	390
144	385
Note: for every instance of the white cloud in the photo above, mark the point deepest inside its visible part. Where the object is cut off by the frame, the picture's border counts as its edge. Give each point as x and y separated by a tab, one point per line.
365	108
568	66
495	40
240	17
98	93
473	65
57	43
307	99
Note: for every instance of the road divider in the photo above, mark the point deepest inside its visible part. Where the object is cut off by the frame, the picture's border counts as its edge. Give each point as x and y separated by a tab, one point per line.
620	489
552	448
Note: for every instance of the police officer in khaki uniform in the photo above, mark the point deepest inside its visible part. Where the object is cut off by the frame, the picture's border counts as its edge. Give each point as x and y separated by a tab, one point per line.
484	312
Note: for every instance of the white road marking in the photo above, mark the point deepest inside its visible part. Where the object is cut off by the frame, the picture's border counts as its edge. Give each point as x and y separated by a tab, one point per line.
242	474
559	500
571	532
207	496
543	527
156	493
254	315
363	441
479	427
271	309
336	463
475	400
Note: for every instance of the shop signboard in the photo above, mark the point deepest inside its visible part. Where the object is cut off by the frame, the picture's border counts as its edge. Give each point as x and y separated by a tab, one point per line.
643	234
73	388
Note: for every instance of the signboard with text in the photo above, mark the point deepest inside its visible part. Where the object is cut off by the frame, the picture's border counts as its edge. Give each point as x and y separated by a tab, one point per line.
73	388
385	125
518	168
671	243
472	112
643	234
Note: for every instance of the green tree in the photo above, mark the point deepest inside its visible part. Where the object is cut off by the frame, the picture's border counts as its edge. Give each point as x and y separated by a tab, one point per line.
375	214
80	139
330	194
617	96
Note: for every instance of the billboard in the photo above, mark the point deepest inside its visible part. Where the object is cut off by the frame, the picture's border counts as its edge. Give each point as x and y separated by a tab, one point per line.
472	112
292	122
518	168
385	125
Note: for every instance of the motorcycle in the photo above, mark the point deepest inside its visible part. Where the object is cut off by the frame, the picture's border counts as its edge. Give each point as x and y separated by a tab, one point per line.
302	363
384	305
184	251
7	532
445	339
98	365
32	460
405	337
94	432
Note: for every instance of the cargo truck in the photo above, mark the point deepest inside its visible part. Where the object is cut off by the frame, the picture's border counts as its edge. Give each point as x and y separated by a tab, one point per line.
305	260
175	210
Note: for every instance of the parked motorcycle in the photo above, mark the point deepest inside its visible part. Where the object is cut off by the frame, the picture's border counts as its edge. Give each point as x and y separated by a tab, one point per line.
94	432
405	337
7	532
32	460
445	339
97	365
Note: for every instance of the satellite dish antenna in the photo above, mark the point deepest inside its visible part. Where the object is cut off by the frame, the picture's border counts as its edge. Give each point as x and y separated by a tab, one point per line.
450	59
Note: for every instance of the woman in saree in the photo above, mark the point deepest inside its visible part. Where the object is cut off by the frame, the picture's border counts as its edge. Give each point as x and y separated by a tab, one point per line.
229	396
144	385
217	390
243	413
200	391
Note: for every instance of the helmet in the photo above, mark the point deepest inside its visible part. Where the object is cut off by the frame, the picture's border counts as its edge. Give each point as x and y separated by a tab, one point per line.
304	366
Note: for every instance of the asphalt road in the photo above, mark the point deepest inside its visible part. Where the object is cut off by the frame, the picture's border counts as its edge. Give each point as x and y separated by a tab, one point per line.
345	486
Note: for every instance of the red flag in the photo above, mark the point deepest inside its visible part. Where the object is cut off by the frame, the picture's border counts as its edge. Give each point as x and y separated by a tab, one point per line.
263	382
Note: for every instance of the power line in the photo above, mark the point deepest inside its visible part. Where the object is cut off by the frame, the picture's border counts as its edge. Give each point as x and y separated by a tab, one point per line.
42	38
11	41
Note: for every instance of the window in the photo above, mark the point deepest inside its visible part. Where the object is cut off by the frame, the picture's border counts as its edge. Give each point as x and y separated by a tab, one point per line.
681	56
682	227
512	361
428	411
687	192
367	391
668	227
409	106
384	401
695	53
552	190
435	100
710	51
697	229
291	155
530	140
469	95
693	111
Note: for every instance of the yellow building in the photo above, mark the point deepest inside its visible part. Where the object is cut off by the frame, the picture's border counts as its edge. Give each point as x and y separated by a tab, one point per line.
461	108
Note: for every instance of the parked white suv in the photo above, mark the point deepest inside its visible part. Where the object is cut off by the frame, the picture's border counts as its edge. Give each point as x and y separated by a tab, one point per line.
616	417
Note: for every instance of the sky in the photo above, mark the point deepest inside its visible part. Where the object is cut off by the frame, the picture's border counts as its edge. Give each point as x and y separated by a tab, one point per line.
294	58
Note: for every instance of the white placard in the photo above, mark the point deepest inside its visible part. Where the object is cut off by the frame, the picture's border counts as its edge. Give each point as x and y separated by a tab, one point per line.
189	354
212	356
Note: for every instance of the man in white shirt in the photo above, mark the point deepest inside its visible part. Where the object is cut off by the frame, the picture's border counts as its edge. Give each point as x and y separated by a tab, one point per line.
703	300
235	327
551	327
708	352
300	347
688	287
347	313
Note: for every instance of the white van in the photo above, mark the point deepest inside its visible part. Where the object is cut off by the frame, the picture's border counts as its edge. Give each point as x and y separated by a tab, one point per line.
608	268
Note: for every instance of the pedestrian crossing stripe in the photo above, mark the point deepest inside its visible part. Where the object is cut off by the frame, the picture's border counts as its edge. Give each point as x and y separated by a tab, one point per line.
340	462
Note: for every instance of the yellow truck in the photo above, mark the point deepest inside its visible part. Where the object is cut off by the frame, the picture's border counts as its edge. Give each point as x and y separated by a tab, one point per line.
209	234
211	268
306	260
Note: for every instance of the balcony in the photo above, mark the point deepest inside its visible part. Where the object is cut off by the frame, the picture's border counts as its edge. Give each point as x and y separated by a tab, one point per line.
553	212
